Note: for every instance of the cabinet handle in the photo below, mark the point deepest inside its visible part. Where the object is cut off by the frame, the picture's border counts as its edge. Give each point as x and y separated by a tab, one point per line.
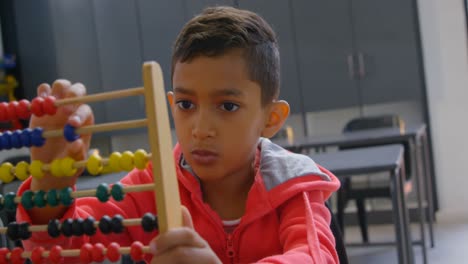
362	66
350	60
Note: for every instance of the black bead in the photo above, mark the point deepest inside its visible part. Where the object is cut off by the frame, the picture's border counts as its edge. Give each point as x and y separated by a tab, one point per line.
12	231
53	228
67	227
23	231
88	226
117	224
149	222
105	224
77	227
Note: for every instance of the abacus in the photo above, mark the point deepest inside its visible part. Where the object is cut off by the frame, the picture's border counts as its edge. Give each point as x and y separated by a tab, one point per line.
165	184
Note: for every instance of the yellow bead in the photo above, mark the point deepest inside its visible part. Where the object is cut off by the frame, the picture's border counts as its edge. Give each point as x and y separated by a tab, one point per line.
21	170
114	161
66	165
126	162
94	165
56	169
36	169
5	172
140	159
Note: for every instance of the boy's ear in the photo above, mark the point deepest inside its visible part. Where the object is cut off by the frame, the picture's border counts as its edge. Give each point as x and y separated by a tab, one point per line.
277	115
170	99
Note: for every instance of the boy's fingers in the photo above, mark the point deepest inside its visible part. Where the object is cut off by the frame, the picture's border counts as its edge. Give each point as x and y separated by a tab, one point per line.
177	237
44	90
60	87
82	116
186	217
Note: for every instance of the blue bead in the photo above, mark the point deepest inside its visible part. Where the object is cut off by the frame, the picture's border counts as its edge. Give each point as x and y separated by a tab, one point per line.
16	139
26	137
69	133
6	140
36	137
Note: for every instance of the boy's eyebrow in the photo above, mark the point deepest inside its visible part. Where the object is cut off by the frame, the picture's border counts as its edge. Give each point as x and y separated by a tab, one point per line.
183	90
221	92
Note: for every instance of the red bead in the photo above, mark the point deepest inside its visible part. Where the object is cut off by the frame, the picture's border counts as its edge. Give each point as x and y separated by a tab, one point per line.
86	253
3	255
113	253
15	256
11	110
22	111
136	251
37	106
49	105
55	254
98	252
3	111
36	255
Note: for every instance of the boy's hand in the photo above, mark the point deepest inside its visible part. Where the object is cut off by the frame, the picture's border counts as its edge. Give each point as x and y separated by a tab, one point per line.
182	245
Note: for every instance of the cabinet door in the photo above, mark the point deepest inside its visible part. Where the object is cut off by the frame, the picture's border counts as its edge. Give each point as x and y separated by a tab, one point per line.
386	39
323	35
76	47
120	55
278	15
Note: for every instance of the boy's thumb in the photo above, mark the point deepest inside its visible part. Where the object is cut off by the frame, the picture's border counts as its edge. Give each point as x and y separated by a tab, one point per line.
186	217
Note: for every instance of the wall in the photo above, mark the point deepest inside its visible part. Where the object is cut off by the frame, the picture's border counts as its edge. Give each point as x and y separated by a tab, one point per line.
444	38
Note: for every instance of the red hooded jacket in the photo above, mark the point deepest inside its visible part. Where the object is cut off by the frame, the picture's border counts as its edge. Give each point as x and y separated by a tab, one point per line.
285	219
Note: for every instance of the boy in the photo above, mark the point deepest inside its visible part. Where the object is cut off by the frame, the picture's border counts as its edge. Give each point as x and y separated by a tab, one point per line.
248	200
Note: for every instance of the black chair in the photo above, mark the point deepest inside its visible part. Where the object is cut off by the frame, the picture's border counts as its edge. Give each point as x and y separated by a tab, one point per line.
347	192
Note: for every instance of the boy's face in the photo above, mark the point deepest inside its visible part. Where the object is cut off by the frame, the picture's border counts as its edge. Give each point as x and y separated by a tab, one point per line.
218	114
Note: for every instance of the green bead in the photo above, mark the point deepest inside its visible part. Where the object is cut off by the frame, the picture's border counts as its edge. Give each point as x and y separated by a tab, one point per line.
102	192
117	191
2	202
27	199
52	198
38	199
65	196
10	201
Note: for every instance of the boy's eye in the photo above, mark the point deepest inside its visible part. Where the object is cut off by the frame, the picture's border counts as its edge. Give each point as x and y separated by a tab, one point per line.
230	107
185	105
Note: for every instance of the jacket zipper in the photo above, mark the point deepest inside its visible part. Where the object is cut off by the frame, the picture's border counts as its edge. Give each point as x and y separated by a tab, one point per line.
230	252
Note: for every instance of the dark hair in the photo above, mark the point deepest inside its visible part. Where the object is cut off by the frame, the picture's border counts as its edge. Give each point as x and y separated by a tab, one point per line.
218	30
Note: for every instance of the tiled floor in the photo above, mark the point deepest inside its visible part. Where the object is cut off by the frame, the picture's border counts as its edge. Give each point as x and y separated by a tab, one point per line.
451	243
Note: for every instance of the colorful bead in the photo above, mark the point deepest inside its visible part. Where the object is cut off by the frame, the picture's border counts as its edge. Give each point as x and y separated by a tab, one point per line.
66	165
27	200
2	202
55	254
140	159
12	231
55	168
21	170
94	165
117	224
5	172
26	137
117	191
23	231
69	133
126	162
5	140
49	105
15	139
102	192
149	222
105	224
98	252
136	251
77	227
22	111
65	196
3	111
52	198
36	169
37	106
66	227
11	110
3	255
15	256
36	255
114	161
38	199
53	228
88	226
113	252
9	201
86	253
36	137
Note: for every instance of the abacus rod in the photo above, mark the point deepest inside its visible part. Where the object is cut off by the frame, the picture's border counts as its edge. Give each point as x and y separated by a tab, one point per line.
76	252
99	128
101	96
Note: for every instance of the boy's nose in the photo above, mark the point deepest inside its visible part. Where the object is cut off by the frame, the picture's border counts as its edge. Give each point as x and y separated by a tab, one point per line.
203	128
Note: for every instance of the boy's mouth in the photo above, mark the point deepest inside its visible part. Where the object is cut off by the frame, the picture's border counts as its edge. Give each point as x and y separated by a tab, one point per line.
204	157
